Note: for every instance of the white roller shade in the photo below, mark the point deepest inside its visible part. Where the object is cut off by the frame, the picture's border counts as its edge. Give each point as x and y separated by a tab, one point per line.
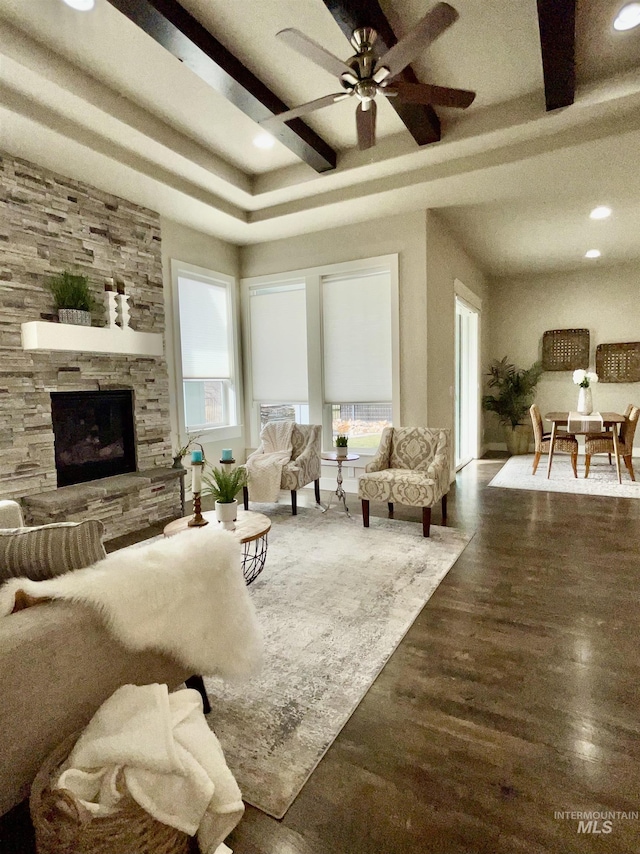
278	318
356	333
204	329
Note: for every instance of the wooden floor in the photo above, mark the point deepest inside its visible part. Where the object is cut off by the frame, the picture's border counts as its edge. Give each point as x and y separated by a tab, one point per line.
515	695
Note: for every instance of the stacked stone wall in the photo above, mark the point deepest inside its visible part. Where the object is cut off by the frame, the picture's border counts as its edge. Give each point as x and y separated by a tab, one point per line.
49	223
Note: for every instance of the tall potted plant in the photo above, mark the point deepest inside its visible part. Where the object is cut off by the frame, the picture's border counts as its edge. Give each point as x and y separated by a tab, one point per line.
224	484
515	391
72	298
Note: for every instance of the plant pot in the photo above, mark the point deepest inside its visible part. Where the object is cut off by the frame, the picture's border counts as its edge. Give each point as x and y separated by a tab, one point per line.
74	316
342	452
517	439
585	401
177	463
227	514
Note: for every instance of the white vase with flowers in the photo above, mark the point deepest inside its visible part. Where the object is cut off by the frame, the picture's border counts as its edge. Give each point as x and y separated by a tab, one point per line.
584	379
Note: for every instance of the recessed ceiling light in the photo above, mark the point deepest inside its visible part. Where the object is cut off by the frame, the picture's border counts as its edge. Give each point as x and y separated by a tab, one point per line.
264	140
601	212
592	253
81	5
628	17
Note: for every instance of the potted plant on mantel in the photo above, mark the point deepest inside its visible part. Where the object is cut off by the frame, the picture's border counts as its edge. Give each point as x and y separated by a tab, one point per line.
515	393
224	485
72	298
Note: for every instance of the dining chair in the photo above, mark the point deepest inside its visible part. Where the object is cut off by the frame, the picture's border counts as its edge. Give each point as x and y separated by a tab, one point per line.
602	443
565	442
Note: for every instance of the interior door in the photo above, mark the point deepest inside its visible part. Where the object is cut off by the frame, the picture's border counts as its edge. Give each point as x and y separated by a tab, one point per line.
466	402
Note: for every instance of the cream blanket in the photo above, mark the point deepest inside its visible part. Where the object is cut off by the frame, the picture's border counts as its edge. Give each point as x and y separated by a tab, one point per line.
184	596
158	747
264	466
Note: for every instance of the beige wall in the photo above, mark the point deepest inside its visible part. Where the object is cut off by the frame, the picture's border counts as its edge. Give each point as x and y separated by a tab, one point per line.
446	262
429	262
404	235
604	300
193	247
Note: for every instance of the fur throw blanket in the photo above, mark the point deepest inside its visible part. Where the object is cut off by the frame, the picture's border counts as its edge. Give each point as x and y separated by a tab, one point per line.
264	465
184	596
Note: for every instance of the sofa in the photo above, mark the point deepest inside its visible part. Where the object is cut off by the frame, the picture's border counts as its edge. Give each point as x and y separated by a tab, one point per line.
58	664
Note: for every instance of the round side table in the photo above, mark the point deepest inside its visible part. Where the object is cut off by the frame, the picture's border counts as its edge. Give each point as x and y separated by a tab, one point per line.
340	494
251	530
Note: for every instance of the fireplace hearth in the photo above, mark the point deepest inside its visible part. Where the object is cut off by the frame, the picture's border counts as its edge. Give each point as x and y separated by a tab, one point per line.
93	434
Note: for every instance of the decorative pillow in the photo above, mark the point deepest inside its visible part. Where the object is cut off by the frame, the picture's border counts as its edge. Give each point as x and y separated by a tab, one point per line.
50	550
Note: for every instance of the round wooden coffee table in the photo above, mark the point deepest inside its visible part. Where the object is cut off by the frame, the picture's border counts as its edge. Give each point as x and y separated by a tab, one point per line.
251	531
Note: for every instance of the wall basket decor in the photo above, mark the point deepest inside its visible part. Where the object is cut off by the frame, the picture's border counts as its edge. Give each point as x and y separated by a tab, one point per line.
618	363
565	349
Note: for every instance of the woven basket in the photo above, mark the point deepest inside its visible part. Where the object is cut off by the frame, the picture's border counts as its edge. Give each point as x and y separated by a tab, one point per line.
64	826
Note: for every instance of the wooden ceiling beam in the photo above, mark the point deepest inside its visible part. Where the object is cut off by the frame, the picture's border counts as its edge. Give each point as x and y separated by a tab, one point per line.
183	36
421	121
557	24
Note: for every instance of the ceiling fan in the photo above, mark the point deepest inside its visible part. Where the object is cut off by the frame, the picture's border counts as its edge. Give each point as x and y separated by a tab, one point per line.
365	75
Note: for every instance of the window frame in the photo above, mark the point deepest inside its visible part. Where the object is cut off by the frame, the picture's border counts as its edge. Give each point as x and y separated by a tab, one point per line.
234	394
319	409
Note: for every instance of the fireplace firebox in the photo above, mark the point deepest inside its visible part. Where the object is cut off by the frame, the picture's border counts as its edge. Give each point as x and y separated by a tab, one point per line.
94	434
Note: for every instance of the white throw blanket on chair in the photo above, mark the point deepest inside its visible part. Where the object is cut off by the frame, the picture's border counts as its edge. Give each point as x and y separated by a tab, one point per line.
158	747
264	466
184	596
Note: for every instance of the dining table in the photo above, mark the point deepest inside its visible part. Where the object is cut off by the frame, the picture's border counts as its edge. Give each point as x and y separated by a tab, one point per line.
610	423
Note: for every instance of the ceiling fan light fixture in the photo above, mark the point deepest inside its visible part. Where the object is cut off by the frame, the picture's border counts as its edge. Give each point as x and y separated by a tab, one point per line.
592	253
627	18
601	212
81	5
264	140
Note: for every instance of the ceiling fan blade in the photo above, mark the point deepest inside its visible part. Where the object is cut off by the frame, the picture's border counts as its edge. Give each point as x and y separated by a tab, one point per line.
434	23
366	126
312	50
303	109
424	93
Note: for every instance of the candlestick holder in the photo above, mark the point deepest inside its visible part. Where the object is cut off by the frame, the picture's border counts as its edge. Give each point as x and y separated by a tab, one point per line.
197	520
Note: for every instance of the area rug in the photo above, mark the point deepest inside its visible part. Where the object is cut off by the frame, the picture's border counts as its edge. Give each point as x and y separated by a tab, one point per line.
334	600
602	480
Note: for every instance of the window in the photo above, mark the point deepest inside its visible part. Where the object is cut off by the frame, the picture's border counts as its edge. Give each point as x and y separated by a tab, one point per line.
207	348
278	348
322	348
357	354
283	412
363	423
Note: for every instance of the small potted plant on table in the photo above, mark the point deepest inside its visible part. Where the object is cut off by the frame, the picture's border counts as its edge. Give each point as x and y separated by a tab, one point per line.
342	442
178	454
72	298
224	485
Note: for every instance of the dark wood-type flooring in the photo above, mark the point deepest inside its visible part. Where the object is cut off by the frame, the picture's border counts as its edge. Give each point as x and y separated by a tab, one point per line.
514	695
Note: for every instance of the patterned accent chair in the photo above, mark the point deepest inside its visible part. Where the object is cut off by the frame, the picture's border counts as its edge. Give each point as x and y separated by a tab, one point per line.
565	442
304	465
412	466
602	443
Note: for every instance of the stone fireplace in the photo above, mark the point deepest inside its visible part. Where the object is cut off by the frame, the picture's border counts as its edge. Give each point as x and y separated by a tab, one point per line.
49	223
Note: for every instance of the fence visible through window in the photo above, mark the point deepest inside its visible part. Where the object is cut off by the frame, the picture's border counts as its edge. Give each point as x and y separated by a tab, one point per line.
362	423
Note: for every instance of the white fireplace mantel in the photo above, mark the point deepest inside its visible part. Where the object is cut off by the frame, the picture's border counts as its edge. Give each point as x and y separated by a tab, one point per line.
41	335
